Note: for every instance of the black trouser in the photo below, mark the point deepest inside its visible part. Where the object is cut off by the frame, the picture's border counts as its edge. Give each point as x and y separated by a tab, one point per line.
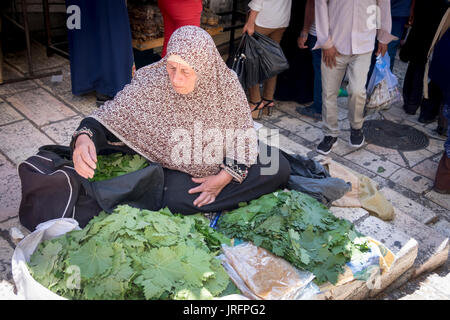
413	86
177	184
429	108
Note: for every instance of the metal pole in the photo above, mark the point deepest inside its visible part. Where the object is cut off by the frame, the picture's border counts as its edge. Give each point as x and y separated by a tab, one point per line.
48	35
27	37
233	21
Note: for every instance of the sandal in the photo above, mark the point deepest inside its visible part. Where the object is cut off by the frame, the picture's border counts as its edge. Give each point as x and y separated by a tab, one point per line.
256	108
266	106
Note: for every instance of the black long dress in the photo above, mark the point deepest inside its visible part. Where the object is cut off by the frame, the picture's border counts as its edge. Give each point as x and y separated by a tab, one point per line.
101	54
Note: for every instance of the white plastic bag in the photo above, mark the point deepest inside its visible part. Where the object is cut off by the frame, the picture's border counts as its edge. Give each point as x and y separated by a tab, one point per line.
382	89
27	287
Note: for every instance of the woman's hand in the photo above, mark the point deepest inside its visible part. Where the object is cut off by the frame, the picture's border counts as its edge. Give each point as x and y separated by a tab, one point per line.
249	27
210	187
84	156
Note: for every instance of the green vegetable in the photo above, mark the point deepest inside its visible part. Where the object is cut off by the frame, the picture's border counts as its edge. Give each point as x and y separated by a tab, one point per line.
117	164
134	254
298	228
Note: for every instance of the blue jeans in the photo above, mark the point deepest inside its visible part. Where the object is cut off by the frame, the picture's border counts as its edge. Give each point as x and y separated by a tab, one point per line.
316	60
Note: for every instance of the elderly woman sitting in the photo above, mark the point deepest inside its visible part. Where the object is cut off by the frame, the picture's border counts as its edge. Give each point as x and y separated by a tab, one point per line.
189	113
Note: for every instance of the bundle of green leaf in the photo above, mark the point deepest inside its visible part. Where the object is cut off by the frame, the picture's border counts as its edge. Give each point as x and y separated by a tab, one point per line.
117	164
134	254
299	229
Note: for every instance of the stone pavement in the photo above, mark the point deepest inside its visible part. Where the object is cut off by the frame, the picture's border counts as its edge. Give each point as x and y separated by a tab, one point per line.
44	111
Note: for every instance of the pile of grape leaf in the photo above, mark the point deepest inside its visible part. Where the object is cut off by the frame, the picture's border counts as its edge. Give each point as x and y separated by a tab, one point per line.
117	164
135	254
298	228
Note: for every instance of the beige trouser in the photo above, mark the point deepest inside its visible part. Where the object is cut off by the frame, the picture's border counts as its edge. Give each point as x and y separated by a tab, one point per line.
269	84
357	67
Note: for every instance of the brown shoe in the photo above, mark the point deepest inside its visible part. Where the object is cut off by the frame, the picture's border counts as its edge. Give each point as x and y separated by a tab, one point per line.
442	181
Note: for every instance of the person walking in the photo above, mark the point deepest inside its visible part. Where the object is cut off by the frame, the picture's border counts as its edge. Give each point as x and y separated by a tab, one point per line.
100	48
346	32
270	18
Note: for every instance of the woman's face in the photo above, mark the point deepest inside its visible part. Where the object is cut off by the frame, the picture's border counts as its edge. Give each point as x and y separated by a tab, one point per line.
182	77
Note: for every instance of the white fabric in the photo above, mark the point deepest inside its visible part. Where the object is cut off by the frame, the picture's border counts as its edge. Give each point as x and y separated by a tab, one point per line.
312	29
352	25
272	14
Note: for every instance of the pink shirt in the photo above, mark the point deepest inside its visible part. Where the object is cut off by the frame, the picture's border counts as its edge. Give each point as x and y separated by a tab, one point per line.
352	25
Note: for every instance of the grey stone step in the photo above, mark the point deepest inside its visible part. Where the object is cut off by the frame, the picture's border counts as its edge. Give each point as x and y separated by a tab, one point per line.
403	246
433	246
409	206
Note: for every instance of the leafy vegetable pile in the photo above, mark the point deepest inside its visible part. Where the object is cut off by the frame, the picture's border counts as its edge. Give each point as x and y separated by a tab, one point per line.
134	254
298	228
117	164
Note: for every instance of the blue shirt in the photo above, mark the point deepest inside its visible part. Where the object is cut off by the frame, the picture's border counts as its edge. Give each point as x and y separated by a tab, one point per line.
401	8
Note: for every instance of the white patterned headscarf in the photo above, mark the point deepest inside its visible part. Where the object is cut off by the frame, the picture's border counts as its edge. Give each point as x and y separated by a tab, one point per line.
192	132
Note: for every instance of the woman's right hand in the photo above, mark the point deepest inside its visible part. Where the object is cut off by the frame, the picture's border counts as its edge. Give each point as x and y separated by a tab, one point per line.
84	156
249	27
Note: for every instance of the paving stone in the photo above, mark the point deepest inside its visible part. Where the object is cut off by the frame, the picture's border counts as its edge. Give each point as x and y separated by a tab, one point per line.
342	148
411	180
40	107
8	114
7	291
10	189
13	222
351	214
6	252
442	226
441	199
435	145
14	87
433	246
55	87
373	162
414	157
392	115
390	154
62	131
287	145
85	104
301	128
409	206
426	168
20	140
39	56
276	113
401	245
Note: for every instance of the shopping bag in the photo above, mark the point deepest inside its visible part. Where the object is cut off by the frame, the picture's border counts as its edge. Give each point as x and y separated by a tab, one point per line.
257	59
52	189
272	58
382	89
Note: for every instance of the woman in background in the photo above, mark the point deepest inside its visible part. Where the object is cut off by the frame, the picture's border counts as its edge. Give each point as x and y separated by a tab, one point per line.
270	18
100	49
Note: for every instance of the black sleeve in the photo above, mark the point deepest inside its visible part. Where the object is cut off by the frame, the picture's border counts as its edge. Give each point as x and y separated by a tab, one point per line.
237	170
101	136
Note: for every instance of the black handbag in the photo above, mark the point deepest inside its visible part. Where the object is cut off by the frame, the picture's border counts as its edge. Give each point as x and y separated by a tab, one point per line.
52	189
